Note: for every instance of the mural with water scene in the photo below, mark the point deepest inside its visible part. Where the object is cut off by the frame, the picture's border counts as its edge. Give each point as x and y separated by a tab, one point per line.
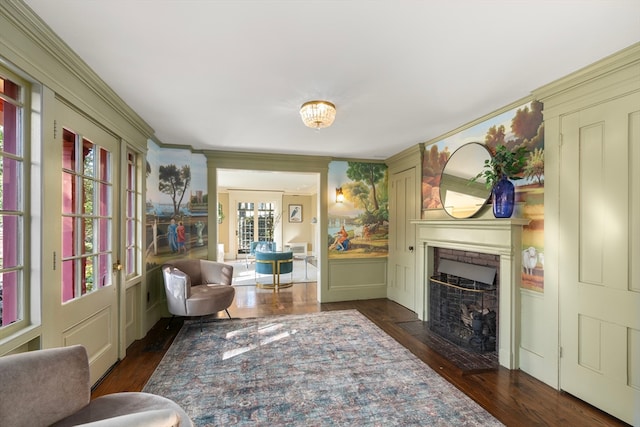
520	126
176	206
359	223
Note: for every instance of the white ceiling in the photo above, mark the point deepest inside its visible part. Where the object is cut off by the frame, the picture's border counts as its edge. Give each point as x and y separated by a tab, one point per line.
287	182
232	74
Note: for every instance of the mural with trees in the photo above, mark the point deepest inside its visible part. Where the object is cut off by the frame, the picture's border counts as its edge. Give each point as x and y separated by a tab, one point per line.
174	182
176	208
359	225
521	126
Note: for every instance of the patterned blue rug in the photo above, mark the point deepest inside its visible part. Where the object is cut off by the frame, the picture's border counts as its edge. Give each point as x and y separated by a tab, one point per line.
322	369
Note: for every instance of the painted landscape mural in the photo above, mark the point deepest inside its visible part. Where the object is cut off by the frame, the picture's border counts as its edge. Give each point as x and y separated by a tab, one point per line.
521	126
176	206
359	223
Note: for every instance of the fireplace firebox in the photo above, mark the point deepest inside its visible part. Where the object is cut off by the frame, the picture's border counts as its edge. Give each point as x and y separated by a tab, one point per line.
463	305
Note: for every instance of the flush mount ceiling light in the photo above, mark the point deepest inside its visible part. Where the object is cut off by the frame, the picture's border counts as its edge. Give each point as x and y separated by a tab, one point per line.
318	114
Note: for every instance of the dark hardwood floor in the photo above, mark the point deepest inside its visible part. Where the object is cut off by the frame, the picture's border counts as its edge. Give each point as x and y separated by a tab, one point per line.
514	397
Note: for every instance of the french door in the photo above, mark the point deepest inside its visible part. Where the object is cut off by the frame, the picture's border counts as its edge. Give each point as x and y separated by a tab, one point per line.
255	224
81	239
257	218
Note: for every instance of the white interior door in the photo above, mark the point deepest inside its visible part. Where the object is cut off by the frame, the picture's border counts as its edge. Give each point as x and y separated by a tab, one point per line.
82	239
402	241
599	261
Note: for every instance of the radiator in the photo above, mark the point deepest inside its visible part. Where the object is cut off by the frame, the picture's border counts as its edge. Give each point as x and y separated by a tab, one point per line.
297	248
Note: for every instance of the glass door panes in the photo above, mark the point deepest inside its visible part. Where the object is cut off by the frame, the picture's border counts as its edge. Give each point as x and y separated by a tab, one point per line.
132	218
256	221
13	185
245	223
265	221
86	216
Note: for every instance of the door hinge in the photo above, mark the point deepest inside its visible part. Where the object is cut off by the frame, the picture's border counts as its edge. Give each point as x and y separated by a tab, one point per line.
54	260
55	129
560	352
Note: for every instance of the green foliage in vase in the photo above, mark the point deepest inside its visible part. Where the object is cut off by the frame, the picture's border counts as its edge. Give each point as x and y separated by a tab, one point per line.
503	163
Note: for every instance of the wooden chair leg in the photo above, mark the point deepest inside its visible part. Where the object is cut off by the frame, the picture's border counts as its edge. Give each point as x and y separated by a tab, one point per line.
227	313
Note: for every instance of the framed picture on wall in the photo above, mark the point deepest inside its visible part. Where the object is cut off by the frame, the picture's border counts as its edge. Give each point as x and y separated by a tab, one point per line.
295	213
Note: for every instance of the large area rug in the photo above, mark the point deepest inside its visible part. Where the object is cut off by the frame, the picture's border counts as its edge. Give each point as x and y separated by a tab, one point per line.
244	274
322	369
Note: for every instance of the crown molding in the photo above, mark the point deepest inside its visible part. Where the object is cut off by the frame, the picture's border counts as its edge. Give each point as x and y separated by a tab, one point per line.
479	120
41	53
608	65
266	161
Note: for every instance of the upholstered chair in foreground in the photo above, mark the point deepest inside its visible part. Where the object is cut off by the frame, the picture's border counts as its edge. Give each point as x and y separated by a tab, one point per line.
198	287
51	388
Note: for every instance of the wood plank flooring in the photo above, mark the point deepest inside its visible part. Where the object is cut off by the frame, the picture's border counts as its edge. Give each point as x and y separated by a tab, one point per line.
515	398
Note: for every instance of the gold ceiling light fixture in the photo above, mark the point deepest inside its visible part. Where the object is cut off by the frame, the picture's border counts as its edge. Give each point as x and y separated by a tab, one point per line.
318	114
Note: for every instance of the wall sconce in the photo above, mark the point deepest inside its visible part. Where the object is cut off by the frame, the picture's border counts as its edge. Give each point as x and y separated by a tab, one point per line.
339	195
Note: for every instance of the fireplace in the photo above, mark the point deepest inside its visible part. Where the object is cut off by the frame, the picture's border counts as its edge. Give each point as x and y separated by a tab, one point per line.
500	238
463	304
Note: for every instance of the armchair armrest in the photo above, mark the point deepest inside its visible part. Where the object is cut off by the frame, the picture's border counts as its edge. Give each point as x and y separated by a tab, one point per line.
178	289
151	418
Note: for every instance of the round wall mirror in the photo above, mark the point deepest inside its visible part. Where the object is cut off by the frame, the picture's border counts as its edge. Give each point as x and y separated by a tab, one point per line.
461	197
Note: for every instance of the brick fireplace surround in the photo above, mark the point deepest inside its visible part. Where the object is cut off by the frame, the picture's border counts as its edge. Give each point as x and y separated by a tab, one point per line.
501	237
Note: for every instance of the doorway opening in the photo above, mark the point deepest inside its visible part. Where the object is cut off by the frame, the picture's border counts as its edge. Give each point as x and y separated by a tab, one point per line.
257	206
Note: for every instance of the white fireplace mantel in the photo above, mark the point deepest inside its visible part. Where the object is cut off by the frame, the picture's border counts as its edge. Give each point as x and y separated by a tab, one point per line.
502	237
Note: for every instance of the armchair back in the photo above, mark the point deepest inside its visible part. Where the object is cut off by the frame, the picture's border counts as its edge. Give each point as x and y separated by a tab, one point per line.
274	262
51	387
41	387
262	247
203	271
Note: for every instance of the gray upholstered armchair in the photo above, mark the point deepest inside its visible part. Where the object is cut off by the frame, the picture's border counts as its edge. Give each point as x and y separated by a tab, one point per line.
51	388
198	287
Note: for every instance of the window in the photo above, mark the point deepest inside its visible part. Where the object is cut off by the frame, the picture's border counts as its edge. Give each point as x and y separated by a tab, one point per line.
86	216
132	219
12	208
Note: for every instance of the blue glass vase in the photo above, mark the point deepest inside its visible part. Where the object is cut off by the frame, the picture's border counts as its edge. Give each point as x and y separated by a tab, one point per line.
504	194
